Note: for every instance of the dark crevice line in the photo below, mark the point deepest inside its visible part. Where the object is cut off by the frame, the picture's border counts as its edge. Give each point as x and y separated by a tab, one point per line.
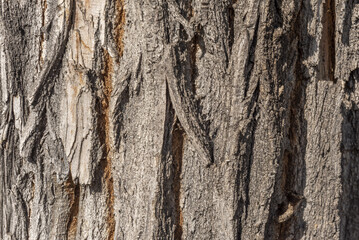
327	43
119	30
231	24
347	21
104	136
348	203
164	206
73	191
194	46
251	134
248	68
291	186
177	152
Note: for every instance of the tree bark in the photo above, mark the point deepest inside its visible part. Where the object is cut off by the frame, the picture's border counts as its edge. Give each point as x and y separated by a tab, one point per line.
179	119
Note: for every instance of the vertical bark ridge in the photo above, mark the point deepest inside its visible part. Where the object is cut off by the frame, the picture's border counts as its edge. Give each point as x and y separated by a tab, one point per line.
104	122
177	151
327	42
73	191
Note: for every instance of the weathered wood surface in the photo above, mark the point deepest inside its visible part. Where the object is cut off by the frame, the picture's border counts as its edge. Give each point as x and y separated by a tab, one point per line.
179	119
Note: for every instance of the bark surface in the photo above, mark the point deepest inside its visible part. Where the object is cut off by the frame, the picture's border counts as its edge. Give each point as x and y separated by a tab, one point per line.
178	119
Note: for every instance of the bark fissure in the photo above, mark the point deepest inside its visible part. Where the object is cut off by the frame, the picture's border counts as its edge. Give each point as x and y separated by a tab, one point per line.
73	191
194	46
291	161
231	25
291	180
177	152
104	136
349	201
248	68
120	26
327	42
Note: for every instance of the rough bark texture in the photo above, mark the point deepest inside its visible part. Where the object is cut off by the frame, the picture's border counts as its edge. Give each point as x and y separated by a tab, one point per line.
179	119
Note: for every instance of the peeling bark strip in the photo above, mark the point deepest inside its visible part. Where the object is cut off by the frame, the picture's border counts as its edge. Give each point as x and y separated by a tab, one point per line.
104	133
177	152
327	42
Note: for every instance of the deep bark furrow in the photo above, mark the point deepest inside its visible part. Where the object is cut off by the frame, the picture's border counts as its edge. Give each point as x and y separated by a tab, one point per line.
177	151
327	42
73	191
119	23
105	132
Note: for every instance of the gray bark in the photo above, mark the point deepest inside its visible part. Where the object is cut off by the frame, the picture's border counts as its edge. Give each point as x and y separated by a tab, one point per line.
178	119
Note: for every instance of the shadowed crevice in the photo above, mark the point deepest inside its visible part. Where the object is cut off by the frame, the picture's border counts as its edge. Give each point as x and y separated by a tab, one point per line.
327	43
231	25
177	153
347	23
73	191
119	28
105	166
349	199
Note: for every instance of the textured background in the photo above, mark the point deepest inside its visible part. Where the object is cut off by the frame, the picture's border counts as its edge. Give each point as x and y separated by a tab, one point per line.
179	119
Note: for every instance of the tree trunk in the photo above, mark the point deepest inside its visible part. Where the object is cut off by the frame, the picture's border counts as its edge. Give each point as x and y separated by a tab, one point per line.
178	119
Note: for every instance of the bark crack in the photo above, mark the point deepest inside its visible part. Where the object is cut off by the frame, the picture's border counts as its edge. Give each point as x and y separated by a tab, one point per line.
327	42
231	24
73	191
292	165
194	47
120	26
177	152
104	136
